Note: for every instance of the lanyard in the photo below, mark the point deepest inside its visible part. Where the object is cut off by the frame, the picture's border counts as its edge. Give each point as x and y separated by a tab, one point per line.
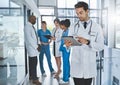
77	25
55	32
35	34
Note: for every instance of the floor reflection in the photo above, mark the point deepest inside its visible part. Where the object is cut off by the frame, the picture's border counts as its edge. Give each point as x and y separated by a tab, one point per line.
8	71
12	68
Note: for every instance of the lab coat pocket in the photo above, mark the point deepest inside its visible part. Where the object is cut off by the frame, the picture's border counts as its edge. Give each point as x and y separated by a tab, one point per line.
93	36
92	57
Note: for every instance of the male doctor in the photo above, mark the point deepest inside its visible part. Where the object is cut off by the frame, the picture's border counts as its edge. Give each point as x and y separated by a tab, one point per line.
31	43
83	58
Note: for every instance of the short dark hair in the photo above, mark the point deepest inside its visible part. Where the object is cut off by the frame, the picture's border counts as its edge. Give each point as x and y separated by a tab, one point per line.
62	22
65	22
57	20
43	22
82	4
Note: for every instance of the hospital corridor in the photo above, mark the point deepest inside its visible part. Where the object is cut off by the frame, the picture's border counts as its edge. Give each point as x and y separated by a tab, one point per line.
59	42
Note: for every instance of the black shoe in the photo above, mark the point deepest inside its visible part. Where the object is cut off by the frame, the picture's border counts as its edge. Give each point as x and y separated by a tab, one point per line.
37	82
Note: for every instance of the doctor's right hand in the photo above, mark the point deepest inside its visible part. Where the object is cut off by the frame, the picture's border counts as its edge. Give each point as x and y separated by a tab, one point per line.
53	38
82	40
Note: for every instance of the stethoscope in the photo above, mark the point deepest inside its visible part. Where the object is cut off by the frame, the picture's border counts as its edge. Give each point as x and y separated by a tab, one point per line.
77	25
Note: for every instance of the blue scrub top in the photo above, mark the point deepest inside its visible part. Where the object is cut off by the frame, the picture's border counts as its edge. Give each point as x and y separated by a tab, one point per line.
41	34
65	33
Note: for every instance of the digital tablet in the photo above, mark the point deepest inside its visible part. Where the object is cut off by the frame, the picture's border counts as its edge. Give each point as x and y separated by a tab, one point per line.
73	40
48	36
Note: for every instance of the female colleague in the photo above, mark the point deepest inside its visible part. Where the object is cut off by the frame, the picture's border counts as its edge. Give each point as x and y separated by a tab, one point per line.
57	33
64	24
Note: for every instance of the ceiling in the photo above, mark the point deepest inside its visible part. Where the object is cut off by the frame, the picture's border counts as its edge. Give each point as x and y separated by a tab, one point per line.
30	4
34	4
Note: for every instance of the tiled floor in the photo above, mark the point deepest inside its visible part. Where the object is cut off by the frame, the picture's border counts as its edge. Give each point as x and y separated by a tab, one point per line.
49	80
12	69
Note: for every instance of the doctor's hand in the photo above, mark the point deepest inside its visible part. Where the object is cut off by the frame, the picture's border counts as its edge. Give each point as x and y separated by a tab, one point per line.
68	43
53	38
82	40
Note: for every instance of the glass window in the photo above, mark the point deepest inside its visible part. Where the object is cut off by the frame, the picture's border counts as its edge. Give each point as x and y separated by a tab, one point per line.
70	12
66	3
61	3
106	3
93	4
87	1
105	25
4	11
49	20
4	3
72	19
61	12
117	1
93	13
118	26
46	10
95	19
70	3
11	47
13	5
15	12
66	12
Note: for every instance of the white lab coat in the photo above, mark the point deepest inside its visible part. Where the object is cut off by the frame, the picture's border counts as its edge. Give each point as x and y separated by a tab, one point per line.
83	58
58	35
30	40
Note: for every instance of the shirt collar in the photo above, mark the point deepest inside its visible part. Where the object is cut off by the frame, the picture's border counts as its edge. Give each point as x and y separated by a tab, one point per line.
30	23
88	21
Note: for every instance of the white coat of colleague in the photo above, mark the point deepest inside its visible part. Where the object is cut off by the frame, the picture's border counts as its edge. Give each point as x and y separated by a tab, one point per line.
31	44
83	58
57	33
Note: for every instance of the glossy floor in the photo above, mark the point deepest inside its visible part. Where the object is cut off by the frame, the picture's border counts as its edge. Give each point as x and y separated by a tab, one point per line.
12	69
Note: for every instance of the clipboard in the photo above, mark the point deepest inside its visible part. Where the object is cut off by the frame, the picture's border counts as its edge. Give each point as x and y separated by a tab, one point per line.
73	40
48	36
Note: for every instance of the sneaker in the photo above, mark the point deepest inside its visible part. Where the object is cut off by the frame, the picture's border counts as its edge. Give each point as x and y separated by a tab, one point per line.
44	75
36	82
53	72
63	82
57	74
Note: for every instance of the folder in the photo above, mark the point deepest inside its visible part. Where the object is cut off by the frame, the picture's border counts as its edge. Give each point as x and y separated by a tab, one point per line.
73	40
48	36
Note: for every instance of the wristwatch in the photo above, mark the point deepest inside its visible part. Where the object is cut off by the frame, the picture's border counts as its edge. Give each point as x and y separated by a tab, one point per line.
88	42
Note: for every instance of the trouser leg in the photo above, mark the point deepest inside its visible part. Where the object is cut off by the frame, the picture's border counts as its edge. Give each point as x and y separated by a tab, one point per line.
82	81
48	56
41	56
33	67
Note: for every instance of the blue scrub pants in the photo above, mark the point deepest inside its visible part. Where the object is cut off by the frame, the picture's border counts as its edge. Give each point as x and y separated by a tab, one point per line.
66	67
45	49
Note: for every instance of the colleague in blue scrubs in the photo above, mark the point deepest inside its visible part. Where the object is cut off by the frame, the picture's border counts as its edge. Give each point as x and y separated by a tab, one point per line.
45	48
64	24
